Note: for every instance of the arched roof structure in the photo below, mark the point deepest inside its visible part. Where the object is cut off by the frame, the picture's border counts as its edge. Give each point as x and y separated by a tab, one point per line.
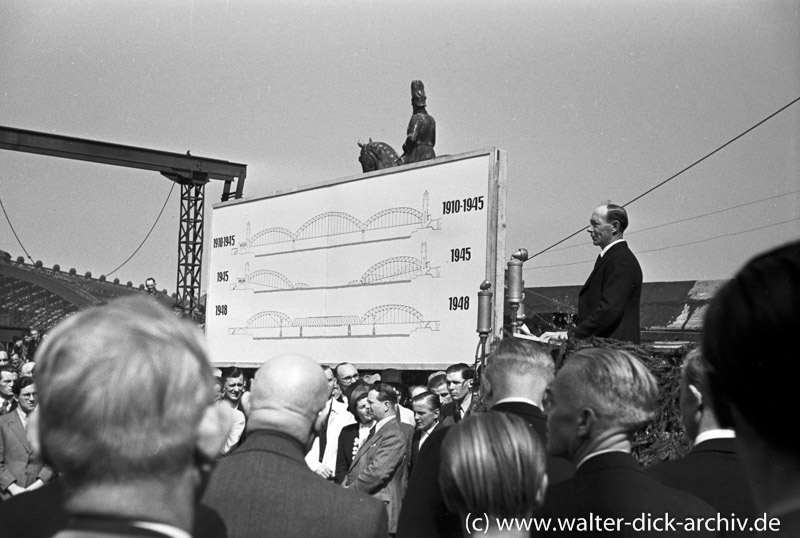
35	297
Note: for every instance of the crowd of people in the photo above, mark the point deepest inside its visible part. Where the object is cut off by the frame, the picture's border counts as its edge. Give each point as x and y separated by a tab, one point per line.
126	429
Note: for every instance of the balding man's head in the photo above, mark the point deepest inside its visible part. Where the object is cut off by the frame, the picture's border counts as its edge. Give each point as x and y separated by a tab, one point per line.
288	395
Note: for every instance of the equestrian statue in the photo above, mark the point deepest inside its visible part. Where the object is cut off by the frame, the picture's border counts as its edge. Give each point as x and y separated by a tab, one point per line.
420	138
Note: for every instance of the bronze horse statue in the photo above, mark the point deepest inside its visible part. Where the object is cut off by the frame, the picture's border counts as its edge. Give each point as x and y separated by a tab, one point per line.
377	156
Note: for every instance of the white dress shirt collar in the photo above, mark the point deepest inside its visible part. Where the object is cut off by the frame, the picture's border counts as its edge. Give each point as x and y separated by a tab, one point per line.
608	246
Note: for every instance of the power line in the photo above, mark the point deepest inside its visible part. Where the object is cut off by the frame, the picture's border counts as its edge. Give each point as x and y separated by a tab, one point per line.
148	233
673	246
732	140
690	218
8	219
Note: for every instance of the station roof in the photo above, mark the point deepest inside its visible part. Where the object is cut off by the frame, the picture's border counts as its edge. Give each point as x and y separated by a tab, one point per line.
36	297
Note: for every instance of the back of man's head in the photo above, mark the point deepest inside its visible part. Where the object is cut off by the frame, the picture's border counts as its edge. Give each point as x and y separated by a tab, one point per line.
518	368
122	391
749	344
289	392
620	389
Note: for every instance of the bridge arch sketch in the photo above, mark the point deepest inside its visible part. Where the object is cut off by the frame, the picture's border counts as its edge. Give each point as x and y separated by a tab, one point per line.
337	228
390	270
379	321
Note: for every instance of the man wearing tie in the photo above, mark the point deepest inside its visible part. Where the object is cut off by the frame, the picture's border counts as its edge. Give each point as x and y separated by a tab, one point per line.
459	385
8	375
608	304
427	411
20	471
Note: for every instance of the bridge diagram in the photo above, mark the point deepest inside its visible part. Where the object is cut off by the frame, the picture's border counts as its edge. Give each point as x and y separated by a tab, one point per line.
389	271
337	228
380	321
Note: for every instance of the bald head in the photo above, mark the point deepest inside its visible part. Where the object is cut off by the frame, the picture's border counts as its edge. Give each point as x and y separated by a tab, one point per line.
288	394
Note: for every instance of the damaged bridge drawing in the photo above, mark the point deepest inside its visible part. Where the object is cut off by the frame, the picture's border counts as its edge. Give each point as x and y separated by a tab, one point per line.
393	320
337	228
397	269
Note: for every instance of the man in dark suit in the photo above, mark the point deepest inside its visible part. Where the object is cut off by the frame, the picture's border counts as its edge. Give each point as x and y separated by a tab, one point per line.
380	467
712	470
8	375
21	470
428	420
460	378
517	375
598	399
608	303
130	452
750	345
265	488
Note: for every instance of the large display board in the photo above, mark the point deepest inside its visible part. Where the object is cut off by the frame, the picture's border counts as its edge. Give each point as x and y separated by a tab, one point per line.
380	269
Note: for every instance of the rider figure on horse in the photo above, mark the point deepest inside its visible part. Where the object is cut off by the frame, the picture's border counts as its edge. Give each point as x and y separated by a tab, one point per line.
421	133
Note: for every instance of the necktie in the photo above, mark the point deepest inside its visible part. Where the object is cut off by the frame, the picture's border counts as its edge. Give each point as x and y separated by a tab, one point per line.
457	415
323	435
371	432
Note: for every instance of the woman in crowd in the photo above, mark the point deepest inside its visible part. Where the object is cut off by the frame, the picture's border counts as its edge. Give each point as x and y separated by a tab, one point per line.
493	469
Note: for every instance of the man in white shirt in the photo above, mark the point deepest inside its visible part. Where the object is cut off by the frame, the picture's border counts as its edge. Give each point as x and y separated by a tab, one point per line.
321	458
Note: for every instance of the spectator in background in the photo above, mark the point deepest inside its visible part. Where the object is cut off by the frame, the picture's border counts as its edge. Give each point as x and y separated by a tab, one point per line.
8	375
32	341
493	464
20	470
415	390
712	470
26	370
346	375
127	464
427	420
322	456
750	347
459	383
150	286
4	357
437	384
17	360
353	436
232	390
266	489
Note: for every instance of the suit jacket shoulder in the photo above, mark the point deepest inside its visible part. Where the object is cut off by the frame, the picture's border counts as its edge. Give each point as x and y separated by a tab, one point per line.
265	489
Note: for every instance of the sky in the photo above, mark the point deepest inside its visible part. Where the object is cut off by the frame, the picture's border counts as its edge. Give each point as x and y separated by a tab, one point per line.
593	102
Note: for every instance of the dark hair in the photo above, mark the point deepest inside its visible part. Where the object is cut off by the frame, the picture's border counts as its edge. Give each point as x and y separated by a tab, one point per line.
429	398
20	384
748	343
231	372
386	393
465	371
617	213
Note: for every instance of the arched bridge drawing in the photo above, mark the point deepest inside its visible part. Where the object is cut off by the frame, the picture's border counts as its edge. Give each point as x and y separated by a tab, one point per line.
383	320
337	228
390	270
